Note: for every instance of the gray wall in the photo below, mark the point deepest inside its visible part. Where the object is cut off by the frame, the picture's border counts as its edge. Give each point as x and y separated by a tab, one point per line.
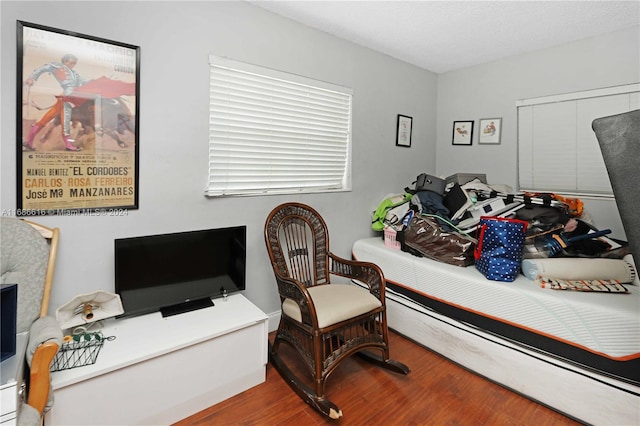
176	39
492	89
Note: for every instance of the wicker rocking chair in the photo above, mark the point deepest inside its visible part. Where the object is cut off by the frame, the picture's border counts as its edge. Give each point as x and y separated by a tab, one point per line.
324	322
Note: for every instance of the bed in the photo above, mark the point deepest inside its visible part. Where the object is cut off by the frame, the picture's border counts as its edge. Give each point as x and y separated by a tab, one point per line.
576	352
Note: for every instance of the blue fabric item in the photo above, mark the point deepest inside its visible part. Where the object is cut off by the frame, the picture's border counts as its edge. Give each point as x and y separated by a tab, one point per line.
429	202
499	251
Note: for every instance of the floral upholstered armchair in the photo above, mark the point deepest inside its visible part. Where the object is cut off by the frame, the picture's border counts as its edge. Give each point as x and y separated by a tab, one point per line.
28	255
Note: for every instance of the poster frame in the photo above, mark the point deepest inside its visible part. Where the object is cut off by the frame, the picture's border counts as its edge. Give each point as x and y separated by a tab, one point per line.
116	59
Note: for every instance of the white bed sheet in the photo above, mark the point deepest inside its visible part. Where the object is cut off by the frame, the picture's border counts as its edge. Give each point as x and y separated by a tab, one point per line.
607	324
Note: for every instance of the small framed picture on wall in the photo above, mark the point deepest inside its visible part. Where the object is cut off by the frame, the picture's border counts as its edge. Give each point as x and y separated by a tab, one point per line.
490	130
462	132
403	131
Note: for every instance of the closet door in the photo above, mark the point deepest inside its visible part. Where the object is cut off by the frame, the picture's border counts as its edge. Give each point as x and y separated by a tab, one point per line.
557	148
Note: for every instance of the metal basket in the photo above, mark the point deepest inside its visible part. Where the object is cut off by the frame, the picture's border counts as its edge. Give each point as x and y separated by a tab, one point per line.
78	350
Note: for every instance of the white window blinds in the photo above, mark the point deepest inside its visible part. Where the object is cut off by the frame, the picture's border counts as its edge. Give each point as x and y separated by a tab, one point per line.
272	133
557	148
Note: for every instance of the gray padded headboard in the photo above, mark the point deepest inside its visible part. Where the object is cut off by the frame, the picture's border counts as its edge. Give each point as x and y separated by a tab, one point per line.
619	139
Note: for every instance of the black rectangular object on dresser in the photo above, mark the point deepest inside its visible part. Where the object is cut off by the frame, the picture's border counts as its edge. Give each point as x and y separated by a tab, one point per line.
8	313
157	272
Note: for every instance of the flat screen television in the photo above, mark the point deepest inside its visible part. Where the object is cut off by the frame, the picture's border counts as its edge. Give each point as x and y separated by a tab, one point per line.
179	272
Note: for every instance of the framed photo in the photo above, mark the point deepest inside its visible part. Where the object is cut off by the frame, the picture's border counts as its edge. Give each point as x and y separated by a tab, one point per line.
403	131
490	130
462	133
77	123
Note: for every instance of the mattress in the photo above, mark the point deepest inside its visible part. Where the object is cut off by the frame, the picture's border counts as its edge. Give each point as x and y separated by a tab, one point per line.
594	331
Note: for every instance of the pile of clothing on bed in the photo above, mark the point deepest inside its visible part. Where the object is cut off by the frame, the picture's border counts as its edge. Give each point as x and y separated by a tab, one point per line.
544	236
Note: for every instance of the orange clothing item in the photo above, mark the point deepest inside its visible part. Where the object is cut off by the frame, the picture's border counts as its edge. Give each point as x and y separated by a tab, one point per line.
576	206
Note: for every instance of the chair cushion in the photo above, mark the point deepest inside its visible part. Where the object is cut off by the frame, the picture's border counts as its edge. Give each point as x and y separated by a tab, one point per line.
335	303
28	416
24	256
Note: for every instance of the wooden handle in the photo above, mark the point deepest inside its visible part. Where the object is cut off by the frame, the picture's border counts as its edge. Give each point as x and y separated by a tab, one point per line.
39	384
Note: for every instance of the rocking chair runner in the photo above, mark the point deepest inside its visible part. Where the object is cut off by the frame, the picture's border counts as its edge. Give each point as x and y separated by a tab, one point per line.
324	322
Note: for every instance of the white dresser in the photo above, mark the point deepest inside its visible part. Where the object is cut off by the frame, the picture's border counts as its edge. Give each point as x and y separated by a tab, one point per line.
161	370
11	375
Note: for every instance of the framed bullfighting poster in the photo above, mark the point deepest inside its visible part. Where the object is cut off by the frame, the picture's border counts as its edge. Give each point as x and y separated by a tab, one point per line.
77	123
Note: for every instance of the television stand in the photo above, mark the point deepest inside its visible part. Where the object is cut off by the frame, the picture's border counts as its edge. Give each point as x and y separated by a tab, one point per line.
188	306
161	370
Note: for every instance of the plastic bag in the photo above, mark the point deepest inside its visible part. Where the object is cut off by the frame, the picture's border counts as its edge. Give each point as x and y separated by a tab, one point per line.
425	236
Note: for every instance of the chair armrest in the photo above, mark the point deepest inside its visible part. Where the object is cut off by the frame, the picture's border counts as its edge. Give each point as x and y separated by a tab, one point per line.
293	289
365	272
40	376
44	329
45	338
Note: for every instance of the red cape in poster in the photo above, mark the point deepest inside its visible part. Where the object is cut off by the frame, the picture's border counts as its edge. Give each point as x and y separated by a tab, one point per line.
104	87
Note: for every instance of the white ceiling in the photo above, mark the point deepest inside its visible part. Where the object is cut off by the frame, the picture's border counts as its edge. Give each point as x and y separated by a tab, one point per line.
443	36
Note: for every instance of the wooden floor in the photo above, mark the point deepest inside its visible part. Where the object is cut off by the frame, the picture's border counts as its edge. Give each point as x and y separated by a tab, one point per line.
436	392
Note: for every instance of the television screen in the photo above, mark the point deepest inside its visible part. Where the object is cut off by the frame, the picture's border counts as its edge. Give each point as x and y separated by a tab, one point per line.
174	273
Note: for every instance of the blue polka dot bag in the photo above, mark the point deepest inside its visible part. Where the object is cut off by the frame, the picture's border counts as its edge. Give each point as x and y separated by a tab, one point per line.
498	253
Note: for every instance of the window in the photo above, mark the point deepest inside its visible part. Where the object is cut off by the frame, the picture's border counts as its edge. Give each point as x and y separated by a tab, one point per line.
557	148
276	133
